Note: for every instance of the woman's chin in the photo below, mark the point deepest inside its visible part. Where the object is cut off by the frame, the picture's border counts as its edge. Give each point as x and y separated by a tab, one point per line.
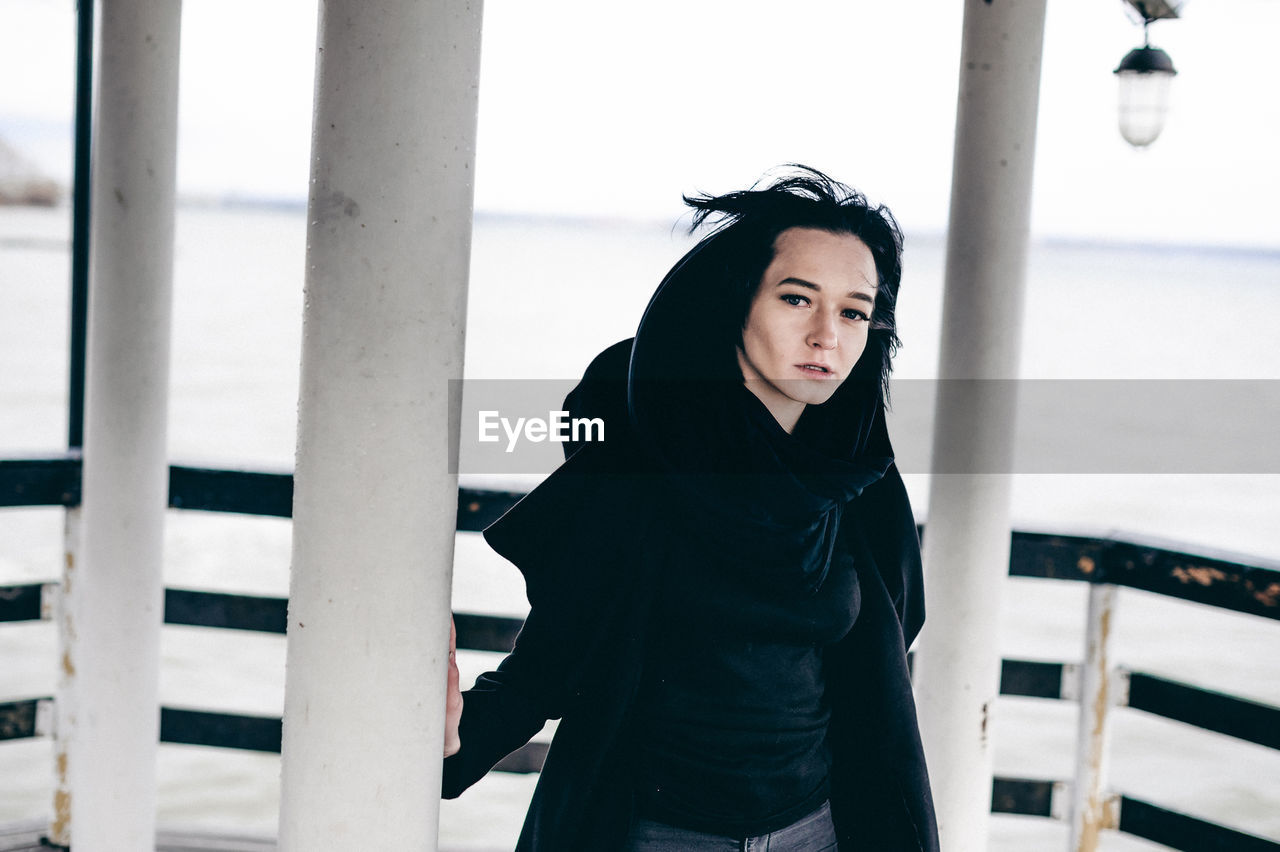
808	391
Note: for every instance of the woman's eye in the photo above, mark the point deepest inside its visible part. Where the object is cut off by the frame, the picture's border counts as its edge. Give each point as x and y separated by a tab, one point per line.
794	299
851	313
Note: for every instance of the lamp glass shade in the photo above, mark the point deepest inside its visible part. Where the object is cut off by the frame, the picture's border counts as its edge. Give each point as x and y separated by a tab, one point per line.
1144	104
1144	76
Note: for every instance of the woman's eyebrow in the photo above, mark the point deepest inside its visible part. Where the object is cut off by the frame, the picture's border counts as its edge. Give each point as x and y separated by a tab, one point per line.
852	294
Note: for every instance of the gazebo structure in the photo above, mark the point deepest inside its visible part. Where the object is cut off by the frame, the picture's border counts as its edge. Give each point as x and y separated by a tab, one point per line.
375	510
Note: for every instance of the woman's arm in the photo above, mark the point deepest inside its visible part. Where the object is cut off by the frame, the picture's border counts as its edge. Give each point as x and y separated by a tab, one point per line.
508	706
574	539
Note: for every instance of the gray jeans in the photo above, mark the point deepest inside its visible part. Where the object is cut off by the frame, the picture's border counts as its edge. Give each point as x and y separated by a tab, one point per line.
813	833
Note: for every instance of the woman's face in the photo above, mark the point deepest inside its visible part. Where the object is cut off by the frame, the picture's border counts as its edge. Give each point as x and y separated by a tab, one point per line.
808	321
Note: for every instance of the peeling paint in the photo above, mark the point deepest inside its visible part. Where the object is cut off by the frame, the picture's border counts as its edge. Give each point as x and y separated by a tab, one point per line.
68	668
1110	812
1270	596
61	815
1103	813
60	826
1201	576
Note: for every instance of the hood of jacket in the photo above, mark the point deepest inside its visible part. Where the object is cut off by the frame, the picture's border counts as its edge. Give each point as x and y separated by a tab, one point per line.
674	396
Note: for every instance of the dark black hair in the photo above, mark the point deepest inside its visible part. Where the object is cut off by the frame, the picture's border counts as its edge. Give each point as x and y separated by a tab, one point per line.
744	230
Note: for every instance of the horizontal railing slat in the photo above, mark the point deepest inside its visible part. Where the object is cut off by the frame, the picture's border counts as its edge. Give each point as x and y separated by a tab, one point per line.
21	603
18	719
194	608
222	730
1055	557
241	491
1186	833
228	730
476	632
233	612
486	632
1213	711
1031	678
1216	582
53	481
1025	796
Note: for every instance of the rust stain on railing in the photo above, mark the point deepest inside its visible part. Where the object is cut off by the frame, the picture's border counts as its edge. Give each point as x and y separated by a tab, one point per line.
1095	812
1200	575
1111	811
1100	703
60	826
64	715
1270	596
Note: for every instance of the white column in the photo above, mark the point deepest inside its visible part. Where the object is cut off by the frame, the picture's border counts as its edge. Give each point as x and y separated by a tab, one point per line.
113	603
967	531
375	507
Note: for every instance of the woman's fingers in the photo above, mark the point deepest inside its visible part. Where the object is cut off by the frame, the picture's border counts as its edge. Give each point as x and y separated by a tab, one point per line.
453	697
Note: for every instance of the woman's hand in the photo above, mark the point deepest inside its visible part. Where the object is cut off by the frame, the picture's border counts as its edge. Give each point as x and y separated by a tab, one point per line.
453	698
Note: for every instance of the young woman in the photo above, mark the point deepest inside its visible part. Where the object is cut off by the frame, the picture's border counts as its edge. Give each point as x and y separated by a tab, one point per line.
722	592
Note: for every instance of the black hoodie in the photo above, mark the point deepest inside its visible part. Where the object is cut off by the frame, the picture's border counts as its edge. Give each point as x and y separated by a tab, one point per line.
589	541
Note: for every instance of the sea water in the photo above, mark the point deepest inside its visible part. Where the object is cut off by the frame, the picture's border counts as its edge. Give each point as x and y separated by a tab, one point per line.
545	296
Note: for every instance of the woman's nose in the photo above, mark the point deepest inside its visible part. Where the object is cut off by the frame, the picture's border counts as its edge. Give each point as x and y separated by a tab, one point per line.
822	333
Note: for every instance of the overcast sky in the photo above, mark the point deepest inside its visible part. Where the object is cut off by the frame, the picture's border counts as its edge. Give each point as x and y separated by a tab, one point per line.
615	108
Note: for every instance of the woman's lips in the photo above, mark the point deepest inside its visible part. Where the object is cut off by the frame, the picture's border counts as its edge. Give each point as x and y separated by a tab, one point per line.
816	371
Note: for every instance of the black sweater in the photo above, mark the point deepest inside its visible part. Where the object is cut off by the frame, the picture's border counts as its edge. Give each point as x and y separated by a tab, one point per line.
730	723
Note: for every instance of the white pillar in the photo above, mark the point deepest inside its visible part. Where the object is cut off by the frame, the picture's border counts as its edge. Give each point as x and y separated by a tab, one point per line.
375	507
967	531
114	598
